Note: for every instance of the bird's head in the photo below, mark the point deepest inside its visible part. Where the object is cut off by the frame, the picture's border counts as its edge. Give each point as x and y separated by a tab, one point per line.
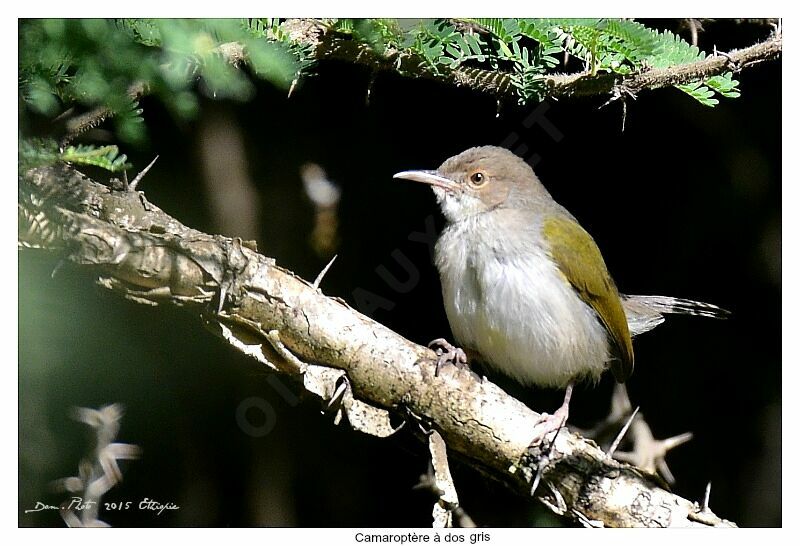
479	180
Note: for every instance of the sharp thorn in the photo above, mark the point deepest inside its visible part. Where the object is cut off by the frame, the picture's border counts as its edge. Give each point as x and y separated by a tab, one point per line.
323	272
675	441
537	479
135	181
338	393
621	435
706	497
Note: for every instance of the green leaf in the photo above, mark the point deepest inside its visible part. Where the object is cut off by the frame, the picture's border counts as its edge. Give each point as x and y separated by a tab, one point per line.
105	157
699	92
725	85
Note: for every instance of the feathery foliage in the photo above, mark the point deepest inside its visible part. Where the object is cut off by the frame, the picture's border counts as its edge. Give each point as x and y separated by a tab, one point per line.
105	157
526	49
617	46
94	62
37	152
91	63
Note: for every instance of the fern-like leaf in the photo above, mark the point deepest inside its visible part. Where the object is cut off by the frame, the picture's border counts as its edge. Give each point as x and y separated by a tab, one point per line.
105	157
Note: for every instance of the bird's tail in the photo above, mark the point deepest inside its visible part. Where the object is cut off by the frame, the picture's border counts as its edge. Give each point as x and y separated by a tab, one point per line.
646	312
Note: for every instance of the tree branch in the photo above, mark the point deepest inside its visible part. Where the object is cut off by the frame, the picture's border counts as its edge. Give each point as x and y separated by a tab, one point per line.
359	367
328	44
576	85
89	120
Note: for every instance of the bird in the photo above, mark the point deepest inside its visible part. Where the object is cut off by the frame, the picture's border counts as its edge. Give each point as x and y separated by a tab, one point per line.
525	287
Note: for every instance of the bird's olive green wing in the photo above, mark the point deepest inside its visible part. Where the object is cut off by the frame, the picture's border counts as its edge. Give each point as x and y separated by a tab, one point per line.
579	259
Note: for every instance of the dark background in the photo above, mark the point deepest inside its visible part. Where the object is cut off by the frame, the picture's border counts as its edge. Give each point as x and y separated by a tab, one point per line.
684	202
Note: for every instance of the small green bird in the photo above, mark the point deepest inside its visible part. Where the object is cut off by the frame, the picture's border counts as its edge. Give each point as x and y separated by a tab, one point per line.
525	286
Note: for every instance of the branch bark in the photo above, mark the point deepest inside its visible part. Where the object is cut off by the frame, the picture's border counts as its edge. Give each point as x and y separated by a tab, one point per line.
362	368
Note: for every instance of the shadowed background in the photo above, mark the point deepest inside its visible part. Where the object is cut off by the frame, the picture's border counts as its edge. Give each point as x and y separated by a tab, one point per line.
684	202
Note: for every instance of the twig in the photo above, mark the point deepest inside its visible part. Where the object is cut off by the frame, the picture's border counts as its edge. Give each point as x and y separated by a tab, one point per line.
583	85
232	52
91	119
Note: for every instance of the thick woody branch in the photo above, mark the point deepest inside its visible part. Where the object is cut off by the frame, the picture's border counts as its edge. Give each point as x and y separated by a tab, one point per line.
358	367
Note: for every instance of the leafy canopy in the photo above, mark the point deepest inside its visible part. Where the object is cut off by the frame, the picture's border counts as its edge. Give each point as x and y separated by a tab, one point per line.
90	63
94	62
529	48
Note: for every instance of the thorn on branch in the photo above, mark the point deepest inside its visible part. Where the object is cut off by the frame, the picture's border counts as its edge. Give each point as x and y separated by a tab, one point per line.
337	399
322	273
557	505
650	454
537	479
703	513
543	459
622	432
140	176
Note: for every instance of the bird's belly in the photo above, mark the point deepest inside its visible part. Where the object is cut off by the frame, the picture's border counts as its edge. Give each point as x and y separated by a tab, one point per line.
525	320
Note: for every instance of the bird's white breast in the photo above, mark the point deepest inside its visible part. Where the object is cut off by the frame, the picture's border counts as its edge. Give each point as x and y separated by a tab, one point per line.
516	308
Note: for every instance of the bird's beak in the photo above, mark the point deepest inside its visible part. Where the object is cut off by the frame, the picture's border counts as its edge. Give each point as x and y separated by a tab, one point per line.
429	177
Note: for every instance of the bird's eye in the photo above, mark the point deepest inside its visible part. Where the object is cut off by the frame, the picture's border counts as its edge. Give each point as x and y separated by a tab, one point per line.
477	178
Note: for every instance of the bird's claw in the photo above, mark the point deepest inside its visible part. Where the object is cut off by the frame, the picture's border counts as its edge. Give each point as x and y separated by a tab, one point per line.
548	424
446	353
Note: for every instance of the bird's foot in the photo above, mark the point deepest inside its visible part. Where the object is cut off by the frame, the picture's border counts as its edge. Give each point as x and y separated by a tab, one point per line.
548	424
541	447
446	353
